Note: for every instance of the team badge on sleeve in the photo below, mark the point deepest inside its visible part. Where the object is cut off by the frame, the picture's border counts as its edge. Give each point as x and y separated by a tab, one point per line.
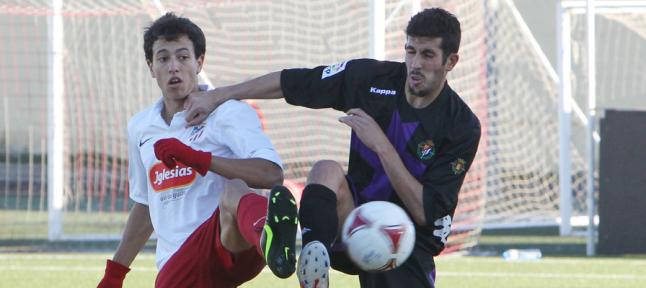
426	149
458	166
333	69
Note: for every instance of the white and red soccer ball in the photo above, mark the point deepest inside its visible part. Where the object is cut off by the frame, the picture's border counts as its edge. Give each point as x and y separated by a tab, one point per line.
379	236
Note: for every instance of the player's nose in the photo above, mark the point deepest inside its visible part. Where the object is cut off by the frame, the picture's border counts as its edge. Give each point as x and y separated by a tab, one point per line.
416	61
173	65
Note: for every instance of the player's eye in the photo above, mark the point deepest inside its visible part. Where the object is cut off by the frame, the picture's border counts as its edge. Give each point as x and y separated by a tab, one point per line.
162	59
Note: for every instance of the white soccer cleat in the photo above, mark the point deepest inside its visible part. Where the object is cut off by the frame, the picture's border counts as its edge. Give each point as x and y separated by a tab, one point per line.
314	266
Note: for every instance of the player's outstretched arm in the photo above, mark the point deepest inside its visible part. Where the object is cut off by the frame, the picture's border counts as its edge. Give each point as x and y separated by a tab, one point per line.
138	230
200	104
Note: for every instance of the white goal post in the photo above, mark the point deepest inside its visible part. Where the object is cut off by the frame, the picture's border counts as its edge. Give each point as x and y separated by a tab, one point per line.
628	17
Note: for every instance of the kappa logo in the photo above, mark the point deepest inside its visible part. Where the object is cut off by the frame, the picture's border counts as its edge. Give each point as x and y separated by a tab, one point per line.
333	69
384	92
163	178
426	149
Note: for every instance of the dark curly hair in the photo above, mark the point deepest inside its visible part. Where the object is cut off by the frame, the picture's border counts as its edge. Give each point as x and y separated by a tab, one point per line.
434	23
170	27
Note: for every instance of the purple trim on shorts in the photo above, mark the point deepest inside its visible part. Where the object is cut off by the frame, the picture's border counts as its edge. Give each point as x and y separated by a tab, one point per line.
338	246
431	278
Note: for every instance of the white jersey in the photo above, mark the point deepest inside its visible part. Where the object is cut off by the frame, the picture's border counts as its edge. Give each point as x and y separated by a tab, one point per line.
180	199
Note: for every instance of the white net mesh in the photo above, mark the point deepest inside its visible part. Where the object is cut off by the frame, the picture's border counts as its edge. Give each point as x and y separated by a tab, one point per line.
500	75
522	155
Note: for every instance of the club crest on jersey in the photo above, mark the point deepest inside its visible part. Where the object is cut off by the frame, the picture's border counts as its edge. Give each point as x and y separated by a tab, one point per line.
163	178
196	133
426	149
333	69
458	166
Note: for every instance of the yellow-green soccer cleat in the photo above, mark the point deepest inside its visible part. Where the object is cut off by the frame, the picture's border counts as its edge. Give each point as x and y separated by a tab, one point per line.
278	238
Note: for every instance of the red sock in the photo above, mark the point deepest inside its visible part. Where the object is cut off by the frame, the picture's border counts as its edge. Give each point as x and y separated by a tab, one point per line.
251	215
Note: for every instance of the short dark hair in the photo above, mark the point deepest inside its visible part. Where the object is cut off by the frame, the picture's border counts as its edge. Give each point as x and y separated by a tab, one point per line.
170	27
434	23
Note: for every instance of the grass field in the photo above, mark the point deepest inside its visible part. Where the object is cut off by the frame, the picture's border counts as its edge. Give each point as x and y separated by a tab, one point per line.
19	224
45	264
85	270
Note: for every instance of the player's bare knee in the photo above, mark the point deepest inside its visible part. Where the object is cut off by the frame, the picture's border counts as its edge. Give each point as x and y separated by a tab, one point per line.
235	185
233	190
327	172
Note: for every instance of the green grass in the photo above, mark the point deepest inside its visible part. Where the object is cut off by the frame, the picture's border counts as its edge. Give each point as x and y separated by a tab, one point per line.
535	240
21	224
554	272
85	270
21	231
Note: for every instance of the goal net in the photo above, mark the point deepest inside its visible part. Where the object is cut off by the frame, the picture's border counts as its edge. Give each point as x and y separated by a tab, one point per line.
502	75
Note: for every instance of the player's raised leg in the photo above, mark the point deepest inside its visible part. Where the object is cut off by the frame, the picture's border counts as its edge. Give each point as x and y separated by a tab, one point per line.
326	202
249	220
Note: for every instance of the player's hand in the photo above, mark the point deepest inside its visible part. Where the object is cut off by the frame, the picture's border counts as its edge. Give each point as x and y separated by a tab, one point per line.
366	129
114	275
200	104
170	150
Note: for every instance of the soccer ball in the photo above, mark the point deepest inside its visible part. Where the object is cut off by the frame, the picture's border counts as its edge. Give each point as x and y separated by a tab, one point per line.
379	236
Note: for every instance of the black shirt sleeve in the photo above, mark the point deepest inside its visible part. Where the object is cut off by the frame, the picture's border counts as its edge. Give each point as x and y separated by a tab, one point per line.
331	86
443	179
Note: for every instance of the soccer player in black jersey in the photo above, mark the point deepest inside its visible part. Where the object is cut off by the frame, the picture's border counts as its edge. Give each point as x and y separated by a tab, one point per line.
412	141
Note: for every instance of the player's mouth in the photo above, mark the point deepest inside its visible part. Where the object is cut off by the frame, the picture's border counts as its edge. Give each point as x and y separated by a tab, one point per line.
174	81
415	79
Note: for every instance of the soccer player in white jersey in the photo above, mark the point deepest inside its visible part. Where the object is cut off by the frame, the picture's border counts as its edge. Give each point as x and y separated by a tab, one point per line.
189	184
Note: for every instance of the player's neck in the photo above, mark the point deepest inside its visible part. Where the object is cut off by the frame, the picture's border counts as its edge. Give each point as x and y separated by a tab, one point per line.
170	108
419	102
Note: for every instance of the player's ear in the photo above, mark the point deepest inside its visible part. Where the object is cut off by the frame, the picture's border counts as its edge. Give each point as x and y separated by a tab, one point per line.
150	68
451	61
200	62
